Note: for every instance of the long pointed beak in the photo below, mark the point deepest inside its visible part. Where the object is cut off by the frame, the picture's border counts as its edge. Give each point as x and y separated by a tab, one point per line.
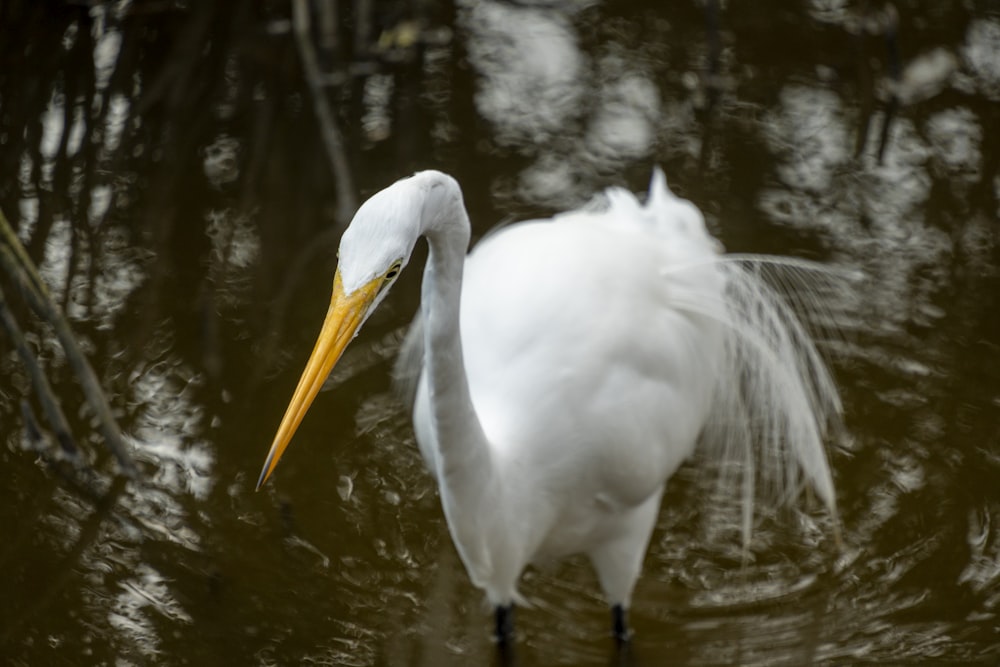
343	319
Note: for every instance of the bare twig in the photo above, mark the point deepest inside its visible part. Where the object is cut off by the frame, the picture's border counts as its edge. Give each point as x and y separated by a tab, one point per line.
40	383
332	141
74	472
22	271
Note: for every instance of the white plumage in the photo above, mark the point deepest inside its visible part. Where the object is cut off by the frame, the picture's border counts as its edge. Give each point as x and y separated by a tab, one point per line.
566	368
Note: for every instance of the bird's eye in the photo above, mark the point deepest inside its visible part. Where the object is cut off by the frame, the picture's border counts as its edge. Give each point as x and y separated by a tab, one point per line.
392	272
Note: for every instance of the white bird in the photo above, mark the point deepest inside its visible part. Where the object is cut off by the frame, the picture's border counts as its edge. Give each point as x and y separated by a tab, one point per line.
567	367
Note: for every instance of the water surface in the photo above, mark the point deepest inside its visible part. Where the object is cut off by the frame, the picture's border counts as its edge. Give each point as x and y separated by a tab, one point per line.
163	166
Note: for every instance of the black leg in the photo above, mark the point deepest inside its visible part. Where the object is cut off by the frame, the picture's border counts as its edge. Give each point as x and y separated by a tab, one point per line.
619	627
504	625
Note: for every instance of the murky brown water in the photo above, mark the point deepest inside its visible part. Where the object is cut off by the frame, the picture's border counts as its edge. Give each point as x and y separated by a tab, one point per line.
162	164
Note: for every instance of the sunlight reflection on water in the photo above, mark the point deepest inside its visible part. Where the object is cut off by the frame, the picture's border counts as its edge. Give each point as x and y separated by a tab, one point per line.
531	68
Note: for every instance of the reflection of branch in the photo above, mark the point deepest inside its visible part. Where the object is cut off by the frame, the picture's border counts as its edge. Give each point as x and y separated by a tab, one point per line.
323	243
22	271
346	203
891	19
713	84
67	569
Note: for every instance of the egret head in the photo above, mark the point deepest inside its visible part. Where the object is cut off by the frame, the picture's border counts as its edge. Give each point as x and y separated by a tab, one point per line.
380	238
373	250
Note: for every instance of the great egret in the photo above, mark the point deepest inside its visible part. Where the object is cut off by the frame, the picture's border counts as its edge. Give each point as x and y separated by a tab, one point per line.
566	367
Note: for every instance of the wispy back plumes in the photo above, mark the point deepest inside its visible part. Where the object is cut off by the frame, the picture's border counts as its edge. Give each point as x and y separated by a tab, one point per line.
776	400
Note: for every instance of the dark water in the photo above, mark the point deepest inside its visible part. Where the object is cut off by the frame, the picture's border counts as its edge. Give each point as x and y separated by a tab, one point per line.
163	165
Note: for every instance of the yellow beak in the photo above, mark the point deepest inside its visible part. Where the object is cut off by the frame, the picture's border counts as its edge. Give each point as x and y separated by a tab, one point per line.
346	314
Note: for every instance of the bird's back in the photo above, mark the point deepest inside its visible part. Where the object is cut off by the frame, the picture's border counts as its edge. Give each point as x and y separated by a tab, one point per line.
590	345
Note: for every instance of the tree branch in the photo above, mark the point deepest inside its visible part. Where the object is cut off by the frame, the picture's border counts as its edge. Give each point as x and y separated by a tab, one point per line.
18	265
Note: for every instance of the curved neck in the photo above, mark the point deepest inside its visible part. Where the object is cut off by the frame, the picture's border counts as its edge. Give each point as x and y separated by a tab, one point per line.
461	441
